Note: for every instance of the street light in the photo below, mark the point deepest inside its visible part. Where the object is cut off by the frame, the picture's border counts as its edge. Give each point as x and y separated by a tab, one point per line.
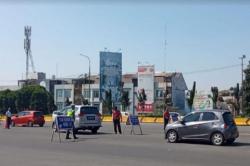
89	71
242	86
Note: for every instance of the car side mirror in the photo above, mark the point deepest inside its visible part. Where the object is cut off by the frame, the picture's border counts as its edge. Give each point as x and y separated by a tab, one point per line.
183	122
16	116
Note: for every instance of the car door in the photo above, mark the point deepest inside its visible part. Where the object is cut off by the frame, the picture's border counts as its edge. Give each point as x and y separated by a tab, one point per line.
19	117
23	117
209	120
190	128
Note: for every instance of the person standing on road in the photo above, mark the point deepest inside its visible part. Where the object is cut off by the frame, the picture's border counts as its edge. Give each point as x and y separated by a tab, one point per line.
8	119
166	117
117	118
71	113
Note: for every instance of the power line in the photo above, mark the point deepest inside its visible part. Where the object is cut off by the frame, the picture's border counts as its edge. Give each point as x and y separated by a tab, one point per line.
212	69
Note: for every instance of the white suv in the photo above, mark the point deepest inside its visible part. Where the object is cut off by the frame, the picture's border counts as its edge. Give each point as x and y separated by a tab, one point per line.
86	117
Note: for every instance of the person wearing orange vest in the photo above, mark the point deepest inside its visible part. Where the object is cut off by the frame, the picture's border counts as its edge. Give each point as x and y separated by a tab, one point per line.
117	118
71	113
166	117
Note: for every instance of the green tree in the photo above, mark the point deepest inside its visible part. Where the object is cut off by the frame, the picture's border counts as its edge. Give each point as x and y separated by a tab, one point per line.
236	93
7	100
35	97
39	100
190	100
142	98
246	89
50	103
215	93
107	103
125	100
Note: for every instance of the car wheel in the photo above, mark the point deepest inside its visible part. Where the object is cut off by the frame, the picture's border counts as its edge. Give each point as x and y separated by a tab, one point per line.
41	125
13	124
30	124
94	131
172	136
217	139
230	141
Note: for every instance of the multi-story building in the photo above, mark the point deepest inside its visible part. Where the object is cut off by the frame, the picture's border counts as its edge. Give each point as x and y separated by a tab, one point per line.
169	87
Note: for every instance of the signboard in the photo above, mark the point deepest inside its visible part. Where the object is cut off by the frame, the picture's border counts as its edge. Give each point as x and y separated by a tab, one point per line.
146	82
148	108
64	122
133	120
111	75
202	101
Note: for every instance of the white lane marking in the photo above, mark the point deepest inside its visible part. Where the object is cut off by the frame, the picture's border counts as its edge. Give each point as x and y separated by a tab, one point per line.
244	133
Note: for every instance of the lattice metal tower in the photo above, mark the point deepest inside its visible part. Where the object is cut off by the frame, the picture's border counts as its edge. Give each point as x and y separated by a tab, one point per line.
27	44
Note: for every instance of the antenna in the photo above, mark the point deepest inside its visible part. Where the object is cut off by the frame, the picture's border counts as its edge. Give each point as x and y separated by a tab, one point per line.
27	44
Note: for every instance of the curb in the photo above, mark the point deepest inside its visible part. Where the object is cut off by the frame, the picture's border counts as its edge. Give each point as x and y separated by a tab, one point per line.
238	121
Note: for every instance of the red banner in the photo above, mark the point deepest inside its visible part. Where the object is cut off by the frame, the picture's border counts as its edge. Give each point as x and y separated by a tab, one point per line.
148	108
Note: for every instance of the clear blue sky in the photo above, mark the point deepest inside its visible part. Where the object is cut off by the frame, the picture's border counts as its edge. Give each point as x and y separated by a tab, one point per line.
199	36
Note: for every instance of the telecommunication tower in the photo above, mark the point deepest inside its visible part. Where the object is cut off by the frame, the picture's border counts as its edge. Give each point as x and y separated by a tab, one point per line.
27	44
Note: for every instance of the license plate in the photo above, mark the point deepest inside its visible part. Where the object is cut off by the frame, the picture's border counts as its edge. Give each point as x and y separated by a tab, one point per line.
90	118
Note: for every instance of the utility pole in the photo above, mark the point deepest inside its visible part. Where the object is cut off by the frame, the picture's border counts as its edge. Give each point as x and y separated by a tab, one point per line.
89	73
242	85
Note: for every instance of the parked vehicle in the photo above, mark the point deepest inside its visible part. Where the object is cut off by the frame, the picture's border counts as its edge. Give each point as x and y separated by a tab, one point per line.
216	126
28	118
86	117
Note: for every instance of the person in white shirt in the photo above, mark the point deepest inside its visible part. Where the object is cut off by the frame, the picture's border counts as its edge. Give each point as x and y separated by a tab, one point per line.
8	118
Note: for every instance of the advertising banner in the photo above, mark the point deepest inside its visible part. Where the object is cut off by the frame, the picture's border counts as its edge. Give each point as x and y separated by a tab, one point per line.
111	75
146	82
202	101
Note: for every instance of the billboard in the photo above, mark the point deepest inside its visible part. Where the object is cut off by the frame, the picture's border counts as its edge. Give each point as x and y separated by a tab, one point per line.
111	75
202	101
146	82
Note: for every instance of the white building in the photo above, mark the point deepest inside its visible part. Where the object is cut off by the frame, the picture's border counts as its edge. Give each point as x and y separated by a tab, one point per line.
171	84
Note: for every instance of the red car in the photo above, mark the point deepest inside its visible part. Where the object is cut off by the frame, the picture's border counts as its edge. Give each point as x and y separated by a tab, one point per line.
28	118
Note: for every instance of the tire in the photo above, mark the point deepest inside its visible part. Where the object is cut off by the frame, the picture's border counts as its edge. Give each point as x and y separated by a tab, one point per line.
13	124
230	141
30	124
172	136
94	131
217	139
41	125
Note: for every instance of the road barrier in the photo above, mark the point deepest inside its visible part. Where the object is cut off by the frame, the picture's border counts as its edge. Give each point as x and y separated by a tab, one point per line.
144	119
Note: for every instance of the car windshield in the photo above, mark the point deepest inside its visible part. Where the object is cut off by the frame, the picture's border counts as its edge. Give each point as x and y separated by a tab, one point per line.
89	110
228	118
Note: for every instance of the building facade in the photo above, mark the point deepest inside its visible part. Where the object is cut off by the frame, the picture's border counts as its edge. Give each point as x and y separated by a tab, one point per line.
168	87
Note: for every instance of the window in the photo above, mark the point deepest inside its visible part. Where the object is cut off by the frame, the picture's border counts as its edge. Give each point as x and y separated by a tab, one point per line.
96	93
20	114
208	116
59	93
86	93
67	93
38	114
192	117
159	93
89	110
59	105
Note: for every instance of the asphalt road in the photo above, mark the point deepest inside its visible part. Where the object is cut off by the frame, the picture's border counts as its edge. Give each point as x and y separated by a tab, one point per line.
25	146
